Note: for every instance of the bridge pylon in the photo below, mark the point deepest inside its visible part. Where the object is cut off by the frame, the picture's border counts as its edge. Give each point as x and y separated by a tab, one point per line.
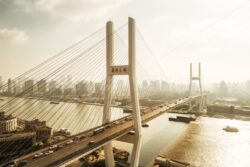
130	70
196	78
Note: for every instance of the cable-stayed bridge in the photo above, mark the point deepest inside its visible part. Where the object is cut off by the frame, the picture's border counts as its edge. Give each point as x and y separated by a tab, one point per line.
102	75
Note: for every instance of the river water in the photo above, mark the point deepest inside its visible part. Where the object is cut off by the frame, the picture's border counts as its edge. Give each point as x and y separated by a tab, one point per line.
73	116
202	143
205	144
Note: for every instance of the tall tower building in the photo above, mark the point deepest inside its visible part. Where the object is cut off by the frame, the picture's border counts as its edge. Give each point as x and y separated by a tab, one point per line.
52	87
42	87
10	87
81	88
29	87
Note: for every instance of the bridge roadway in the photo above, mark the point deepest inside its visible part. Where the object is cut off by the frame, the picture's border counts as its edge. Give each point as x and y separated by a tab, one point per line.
113	130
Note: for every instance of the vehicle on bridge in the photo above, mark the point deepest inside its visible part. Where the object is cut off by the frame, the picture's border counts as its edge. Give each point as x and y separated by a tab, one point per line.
132	132
129	118
53	147
49	152
77	138
11	164
91	143
37	155
69	142
98	131
65	131
22	163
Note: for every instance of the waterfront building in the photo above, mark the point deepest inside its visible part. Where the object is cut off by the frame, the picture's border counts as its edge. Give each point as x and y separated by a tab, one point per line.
8	123
43	132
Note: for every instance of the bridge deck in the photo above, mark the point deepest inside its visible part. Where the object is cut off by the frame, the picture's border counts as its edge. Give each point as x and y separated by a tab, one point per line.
111	132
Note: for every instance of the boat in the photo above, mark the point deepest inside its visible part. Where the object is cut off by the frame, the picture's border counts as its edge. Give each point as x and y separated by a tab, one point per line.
162	161
54	102
132	132
145	125
230	129
127	110
182	119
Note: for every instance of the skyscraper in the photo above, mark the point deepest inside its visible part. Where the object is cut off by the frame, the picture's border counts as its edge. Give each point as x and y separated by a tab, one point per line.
52	87
42	87
29	87
99	89
81	88
10	87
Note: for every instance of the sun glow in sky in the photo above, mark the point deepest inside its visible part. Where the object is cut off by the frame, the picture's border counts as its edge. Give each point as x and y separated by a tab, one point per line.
213	32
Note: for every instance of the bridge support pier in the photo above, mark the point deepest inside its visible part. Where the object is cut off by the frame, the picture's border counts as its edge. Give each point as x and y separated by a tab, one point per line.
129	70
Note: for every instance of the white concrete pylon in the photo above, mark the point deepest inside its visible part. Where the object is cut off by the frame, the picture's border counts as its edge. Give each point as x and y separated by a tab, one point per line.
198	78
129	70
108	150
134	94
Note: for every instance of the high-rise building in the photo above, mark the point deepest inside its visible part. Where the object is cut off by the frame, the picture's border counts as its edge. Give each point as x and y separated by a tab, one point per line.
29	87
68	91
90	87
10	89
81	88
42	86
17	87
99	89
52	87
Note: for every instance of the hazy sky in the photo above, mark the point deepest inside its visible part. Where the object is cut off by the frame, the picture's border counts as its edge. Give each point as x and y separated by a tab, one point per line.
214	32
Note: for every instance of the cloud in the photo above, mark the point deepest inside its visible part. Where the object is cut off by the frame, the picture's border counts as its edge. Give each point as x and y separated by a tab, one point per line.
73	10
13	35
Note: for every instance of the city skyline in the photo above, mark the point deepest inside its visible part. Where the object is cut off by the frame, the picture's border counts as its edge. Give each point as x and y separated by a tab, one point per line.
217	37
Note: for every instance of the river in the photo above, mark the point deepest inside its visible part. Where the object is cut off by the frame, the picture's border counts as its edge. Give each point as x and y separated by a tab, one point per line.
74	116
